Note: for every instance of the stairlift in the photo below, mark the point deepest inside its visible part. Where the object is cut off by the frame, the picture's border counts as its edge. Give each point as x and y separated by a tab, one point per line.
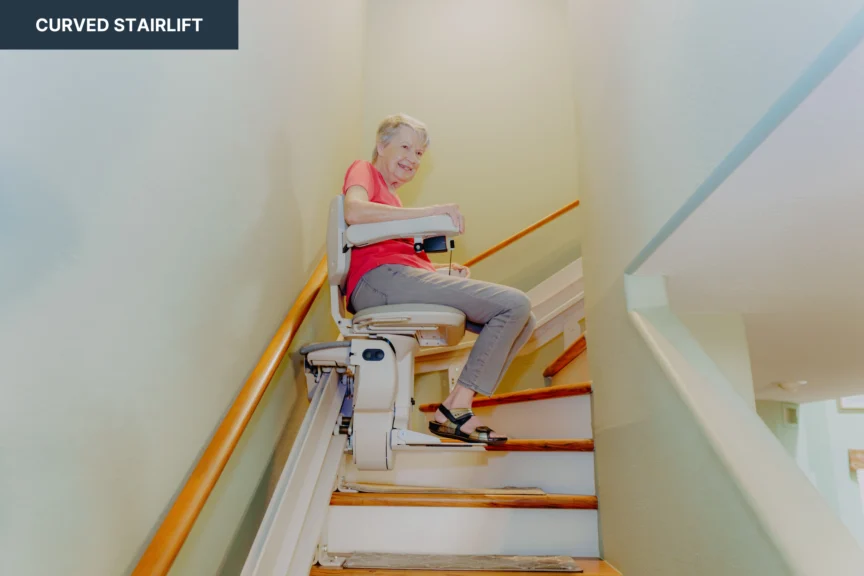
374	357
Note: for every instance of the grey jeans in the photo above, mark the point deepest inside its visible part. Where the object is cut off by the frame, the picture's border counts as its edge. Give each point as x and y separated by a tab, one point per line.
499	314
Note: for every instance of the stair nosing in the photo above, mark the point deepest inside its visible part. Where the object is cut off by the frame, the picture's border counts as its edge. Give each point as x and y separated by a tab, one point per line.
602	568
538	445
570	354
541	502
530	395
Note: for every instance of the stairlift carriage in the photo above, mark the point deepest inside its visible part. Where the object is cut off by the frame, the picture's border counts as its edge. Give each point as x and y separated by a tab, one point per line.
376	358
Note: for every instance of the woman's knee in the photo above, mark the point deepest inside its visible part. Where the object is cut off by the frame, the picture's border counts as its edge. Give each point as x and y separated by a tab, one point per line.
519	305
531	323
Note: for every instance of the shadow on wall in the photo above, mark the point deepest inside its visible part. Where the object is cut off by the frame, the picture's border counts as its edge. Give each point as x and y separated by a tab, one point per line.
291	376
38	233
252	292
293	403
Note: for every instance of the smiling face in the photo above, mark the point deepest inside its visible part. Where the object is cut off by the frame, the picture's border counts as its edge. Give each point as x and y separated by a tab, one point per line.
399	159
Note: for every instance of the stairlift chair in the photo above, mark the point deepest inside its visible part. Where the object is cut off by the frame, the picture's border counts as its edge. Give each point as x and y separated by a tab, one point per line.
376	356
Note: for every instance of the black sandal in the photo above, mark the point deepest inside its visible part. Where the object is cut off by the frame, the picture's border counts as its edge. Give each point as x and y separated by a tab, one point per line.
453	427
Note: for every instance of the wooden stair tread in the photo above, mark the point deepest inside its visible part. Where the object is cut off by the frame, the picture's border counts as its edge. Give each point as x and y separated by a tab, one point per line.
544	501
538	445
590	567
378	488
571	353
559	391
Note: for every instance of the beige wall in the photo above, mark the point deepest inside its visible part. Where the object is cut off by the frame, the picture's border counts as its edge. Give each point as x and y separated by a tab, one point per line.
159	216
820	444
491	80
771	412
663	92
724	338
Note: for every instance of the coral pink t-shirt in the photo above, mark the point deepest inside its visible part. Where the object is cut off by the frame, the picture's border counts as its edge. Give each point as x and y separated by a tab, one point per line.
400	251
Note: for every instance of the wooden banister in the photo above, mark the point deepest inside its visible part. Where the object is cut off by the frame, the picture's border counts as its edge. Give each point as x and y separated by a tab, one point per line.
856	460
169	538
503	244
570	354
175	527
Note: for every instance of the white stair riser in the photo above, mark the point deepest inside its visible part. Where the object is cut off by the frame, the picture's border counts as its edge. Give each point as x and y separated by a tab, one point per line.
553	472
555	418
409	530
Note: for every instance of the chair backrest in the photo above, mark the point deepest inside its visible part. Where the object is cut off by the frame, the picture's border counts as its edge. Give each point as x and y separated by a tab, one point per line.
438	329
338	259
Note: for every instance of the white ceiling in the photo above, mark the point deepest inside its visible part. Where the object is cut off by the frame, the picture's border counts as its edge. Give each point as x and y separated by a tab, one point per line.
824	350
782	241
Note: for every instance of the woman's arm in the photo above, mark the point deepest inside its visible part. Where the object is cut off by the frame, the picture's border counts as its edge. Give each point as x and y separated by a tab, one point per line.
359	210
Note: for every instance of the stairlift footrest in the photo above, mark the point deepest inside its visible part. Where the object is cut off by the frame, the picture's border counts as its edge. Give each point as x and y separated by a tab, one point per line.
327	353
408	439
412	438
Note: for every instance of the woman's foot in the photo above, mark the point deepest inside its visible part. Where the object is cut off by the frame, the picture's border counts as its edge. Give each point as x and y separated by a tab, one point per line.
457	403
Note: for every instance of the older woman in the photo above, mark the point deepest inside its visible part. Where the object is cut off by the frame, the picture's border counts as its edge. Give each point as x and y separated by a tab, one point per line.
391	272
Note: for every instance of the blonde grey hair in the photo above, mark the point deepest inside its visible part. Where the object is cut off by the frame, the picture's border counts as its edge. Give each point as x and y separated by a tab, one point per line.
391	124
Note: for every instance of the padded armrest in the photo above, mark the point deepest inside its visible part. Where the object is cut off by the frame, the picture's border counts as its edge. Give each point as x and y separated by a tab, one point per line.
426	227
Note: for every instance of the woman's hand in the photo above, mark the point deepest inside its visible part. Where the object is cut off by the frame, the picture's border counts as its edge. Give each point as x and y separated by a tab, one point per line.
454	269
451	210
461	270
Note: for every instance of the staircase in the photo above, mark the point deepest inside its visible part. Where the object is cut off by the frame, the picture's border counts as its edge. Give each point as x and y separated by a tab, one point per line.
528	505
525	506
533	496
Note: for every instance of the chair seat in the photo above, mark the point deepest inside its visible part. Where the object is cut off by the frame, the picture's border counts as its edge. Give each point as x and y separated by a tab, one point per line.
433	325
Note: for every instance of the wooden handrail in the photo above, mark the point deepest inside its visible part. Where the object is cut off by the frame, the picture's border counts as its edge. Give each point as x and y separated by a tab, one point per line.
172	533
169	538
503	244
856	460
570	354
